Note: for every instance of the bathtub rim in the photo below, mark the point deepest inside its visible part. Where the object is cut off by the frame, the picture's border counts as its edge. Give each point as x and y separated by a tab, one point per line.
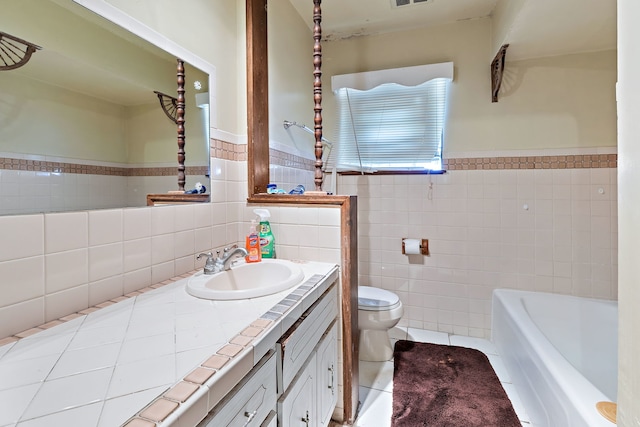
558	372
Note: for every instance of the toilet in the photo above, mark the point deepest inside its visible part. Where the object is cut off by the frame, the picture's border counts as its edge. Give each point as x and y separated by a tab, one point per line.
378	311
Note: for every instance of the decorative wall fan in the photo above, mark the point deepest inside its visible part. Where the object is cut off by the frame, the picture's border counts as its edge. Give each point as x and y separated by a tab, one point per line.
14	52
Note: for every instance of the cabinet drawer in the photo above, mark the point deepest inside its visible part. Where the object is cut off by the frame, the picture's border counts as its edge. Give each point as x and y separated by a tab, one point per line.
298	342
251	401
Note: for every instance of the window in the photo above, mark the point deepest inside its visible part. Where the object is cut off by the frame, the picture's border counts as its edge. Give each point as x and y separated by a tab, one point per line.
392	126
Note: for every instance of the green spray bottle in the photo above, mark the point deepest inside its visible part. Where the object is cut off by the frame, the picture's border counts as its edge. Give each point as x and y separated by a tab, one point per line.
267	241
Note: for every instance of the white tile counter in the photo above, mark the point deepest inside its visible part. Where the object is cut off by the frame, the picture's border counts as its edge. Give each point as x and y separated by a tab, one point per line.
103	368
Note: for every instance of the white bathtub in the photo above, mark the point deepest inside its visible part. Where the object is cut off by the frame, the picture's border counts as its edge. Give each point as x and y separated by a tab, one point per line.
561	353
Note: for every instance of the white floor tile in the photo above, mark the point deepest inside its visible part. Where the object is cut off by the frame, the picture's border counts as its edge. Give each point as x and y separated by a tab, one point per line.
376	375
375	408
398	333
481	344
431	337
376	378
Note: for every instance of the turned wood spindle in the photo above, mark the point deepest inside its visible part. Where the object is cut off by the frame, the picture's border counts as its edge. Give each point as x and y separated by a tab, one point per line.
317	91
180	121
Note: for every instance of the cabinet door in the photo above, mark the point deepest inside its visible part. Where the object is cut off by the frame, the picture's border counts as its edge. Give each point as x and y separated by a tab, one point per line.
327	376
296	407
250	401
297	344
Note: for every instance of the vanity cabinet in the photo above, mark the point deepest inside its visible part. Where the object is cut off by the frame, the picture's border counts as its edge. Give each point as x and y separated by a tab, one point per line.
307	362
327	375
251	401
295	383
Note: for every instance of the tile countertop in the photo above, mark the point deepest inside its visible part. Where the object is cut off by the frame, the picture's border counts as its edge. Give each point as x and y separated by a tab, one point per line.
163	355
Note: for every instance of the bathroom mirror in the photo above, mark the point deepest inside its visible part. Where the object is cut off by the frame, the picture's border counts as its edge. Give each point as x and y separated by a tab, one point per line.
80	125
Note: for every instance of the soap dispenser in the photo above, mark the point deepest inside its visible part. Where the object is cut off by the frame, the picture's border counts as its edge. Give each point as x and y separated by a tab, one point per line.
254	253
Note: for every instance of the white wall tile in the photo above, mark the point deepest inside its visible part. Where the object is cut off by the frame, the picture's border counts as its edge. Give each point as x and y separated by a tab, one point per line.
136	254
184	217
163	220
106	289
137	223
66	270
105	261
202	240
23	235
66	231
184	243
162	248
202	215
162	272
184	265
22	280
22	316
105	226
135	280
482	236
62	303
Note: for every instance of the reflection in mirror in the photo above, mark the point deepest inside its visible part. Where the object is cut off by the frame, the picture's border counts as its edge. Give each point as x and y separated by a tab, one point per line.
80	125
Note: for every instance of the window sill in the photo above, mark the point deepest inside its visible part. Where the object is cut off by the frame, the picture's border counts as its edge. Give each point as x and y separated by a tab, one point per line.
396	172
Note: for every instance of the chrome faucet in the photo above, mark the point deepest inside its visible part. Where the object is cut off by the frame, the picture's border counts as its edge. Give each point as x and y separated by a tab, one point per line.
228	255
209	265
222	263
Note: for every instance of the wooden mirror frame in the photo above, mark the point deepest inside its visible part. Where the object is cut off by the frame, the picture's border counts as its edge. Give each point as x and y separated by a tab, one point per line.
258	178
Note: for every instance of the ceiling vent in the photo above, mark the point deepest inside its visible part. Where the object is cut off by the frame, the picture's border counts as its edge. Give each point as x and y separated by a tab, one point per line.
401	3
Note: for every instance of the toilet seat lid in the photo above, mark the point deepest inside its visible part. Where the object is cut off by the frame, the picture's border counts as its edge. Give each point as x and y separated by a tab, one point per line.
374	299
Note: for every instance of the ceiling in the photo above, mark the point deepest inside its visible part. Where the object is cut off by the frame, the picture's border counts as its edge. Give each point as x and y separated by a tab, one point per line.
539	28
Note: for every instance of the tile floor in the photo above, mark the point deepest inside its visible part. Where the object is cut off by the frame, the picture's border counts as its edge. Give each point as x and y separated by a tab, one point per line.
376	378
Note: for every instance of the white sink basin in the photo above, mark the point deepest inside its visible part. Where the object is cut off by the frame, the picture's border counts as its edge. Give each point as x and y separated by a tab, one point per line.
246	280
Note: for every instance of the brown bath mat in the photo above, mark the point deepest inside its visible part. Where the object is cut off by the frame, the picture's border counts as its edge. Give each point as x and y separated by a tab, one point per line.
447	386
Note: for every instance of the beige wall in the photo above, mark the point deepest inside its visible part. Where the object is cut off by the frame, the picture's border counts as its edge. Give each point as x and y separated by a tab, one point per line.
48	121
152	138
211	32
503	18
290	76
629	206
562	102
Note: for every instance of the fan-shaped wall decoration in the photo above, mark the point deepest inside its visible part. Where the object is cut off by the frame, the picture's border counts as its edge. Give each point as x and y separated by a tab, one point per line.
169	105
14	52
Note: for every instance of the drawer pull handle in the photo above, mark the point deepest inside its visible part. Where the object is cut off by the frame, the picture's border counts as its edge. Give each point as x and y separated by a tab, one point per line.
306	419
250	416
332	386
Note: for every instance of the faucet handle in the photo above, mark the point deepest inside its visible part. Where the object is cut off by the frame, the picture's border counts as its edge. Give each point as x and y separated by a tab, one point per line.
228	249
209	255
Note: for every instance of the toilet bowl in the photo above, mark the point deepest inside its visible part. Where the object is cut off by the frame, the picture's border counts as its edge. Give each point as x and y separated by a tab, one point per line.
378	311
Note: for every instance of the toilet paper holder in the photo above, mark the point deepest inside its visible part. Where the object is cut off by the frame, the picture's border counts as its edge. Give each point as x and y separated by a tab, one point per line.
424	246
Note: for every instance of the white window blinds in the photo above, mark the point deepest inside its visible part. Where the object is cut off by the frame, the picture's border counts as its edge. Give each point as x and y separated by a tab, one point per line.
391	127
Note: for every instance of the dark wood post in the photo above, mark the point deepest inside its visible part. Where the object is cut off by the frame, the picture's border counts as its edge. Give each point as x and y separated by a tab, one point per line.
180	122
317	91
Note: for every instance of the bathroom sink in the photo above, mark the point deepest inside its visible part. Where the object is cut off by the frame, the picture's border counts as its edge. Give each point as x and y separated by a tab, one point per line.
246	280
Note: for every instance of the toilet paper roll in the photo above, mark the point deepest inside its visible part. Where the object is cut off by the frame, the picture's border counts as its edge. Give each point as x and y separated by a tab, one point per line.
412	247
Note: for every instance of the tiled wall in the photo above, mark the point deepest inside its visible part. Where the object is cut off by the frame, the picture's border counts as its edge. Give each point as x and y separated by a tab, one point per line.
33	186
288	170
551	230
56	264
